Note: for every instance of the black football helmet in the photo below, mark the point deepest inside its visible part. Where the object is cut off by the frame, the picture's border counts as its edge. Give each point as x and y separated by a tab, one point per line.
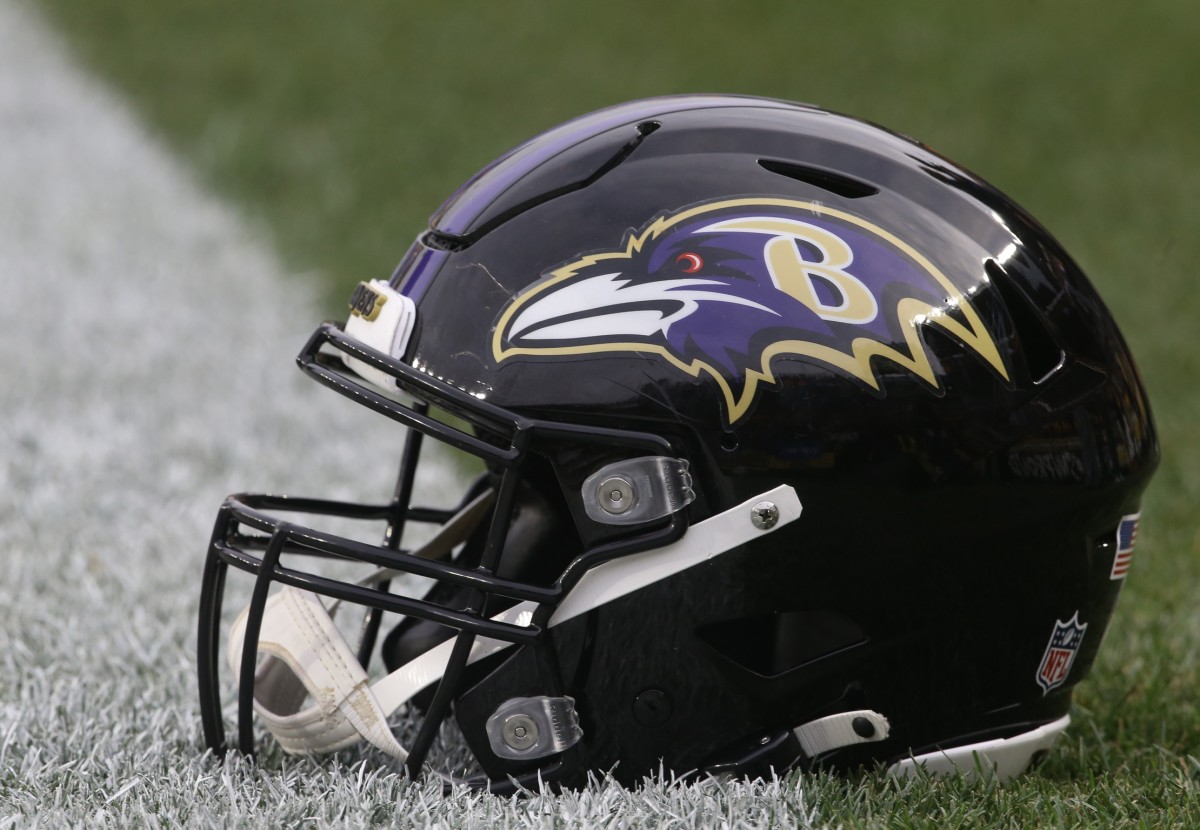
799	445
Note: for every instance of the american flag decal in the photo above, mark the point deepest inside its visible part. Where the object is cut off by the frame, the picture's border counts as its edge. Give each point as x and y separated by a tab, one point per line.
1126	538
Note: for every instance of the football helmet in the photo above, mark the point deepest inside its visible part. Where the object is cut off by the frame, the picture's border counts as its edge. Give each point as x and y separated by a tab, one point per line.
798	444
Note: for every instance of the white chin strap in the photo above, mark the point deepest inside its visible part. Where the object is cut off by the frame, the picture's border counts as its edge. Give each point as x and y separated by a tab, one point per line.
308	658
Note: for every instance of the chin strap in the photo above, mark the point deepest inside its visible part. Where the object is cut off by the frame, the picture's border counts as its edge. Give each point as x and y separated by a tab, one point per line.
843	729
307	657
778	753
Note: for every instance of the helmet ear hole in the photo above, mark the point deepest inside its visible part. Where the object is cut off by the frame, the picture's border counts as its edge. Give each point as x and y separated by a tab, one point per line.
729	441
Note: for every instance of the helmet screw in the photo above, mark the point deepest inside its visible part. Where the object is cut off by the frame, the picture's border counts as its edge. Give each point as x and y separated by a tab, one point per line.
764	515
520	731
652	708
862	727
615	495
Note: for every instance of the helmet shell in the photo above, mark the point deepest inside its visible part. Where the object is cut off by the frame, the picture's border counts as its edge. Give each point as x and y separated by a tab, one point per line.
964	456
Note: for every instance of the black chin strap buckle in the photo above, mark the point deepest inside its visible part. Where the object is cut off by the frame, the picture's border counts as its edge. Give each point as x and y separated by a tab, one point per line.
776	754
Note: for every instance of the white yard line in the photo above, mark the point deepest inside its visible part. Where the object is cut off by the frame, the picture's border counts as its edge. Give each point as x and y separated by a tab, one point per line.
146	339
147	346
140	325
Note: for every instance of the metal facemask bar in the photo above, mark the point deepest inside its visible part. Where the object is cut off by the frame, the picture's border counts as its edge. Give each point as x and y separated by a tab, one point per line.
250	535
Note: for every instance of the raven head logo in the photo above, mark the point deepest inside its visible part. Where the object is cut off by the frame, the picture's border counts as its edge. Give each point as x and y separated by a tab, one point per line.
723	288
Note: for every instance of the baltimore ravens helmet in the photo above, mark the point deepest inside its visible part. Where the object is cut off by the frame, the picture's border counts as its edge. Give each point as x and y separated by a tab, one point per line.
799	445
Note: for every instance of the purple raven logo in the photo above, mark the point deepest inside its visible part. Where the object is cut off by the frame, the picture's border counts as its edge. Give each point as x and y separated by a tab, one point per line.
723	289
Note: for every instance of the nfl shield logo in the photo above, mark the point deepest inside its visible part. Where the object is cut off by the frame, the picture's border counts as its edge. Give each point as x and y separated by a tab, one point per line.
1060	653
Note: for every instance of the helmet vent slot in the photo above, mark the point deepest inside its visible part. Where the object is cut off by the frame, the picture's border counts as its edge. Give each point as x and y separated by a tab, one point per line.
444	241
641	131
835	183
1043	355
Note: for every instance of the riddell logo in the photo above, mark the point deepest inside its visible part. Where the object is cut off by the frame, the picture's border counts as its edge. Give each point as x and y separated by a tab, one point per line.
366	302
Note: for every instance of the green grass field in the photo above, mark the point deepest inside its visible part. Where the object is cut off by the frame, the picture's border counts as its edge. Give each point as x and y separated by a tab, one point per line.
338	128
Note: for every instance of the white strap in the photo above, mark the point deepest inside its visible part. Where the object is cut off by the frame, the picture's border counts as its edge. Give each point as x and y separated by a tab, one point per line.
306	651
334	720
304	648
843	729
